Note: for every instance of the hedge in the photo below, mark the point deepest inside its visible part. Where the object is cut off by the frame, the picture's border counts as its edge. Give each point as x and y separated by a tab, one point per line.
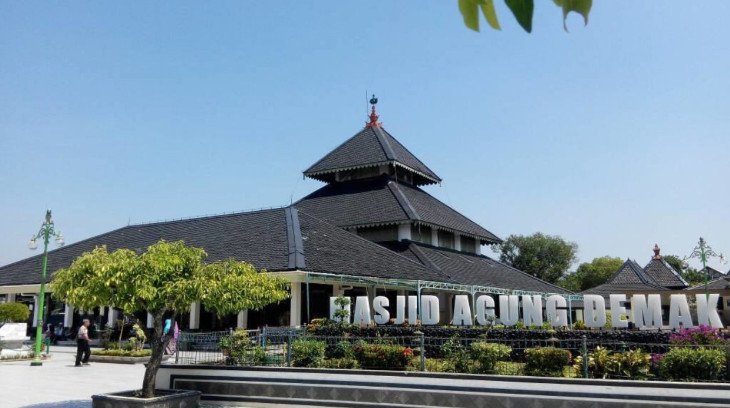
569	339
14	312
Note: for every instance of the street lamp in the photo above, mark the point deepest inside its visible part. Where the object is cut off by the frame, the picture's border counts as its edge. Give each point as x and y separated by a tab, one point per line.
704	251
46	232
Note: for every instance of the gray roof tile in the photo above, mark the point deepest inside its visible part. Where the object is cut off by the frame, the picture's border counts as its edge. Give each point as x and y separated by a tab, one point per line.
371	146
381	201
471	269
276	240
663	274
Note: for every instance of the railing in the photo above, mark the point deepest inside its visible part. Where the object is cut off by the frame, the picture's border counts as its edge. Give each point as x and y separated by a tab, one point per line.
295	347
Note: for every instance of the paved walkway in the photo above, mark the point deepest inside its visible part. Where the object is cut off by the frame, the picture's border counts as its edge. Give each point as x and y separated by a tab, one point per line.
58	384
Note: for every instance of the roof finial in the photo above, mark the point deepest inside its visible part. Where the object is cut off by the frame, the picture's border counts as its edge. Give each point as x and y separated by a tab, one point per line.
656	252
373	115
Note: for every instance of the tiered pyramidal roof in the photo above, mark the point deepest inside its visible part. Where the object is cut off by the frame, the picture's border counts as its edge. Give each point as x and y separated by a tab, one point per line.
373	180
656	276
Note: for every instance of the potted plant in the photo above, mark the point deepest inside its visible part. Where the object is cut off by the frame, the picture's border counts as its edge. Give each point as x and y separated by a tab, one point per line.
162	281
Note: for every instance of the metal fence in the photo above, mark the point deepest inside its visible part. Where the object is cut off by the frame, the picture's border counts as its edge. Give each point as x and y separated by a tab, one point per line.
295	347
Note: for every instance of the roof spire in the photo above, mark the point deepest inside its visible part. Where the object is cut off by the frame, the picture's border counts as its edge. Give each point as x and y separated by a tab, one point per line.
656	252
373	115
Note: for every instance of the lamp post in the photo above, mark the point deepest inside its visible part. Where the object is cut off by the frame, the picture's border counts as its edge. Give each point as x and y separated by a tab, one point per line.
704	251
46	232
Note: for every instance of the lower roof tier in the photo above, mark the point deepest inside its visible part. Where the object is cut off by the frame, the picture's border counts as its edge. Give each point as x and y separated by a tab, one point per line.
382	201
288	239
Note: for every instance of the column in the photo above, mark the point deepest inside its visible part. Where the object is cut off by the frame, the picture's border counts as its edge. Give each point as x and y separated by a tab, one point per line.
150	321
444	306
10	298
371	295
36	299
111	320
478	247
404	232
242	322
195	315
295	306
68	315
457	242
337	290
434	237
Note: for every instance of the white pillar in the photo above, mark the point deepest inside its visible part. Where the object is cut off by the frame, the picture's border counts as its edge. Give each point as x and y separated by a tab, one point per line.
150	320
434	237
477	246
10	298
195	315
111	320
295	306
404	232
337	290
457	242
36	299
68	316
242	322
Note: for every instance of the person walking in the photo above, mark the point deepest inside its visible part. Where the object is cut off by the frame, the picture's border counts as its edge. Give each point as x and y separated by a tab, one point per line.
82	344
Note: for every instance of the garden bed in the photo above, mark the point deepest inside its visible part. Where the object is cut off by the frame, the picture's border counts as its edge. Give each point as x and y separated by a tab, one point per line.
122	356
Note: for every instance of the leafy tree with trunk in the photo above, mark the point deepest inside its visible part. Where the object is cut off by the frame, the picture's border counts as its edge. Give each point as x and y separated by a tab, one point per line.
546	257
591	274
521	9
163	281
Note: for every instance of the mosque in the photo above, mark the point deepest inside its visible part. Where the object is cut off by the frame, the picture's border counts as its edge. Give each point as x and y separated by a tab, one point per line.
372	229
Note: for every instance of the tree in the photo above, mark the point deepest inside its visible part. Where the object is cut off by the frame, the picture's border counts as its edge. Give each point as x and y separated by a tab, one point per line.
591	274
693	276
543	256
521	9
164	280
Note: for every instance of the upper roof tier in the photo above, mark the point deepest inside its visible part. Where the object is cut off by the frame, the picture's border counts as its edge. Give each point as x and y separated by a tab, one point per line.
373	148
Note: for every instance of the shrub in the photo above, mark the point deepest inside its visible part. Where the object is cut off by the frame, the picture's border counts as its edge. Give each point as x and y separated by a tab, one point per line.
697	336
14	312
307	352
339	363
343	349
457	357
486	355
693	364
239	349
546	361
632	364
383	356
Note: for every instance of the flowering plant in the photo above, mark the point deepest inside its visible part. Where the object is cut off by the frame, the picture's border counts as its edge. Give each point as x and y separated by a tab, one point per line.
697	336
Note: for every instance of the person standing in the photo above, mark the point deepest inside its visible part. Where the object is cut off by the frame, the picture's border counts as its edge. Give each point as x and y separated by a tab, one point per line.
82	344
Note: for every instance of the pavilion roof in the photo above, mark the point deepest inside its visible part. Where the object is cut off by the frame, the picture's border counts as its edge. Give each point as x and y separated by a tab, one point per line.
382	201
371	147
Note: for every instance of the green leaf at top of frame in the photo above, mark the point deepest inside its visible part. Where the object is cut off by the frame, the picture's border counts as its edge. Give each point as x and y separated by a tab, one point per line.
490	14
582	7
523	11
470	12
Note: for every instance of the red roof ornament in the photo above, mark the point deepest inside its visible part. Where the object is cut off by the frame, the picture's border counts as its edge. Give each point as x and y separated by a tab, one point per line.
656	252
373	115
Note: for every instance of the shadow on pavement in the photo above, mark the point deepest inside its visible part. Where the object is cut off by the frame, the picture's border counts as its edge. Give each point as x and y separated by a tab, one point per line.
84	403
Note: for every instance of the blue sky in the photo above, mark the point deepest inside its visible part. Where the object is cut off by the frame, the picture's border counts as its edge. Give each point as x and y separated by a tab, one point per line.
614	135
